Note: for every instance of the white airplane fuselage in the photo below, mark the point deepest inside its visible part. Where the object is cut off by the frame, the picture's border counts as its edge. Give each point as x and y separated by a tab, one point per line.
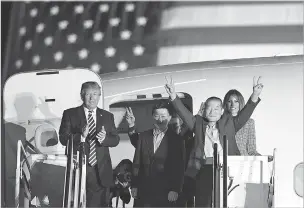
278	117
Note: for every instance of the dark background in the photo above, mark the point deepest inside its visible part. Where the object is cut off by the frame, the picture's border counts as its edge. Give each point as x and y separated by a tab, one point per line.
5	17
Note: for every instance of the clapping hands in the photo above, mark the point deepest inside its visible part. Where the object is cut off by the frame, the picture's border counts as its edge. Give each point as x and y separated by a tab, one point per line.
101	135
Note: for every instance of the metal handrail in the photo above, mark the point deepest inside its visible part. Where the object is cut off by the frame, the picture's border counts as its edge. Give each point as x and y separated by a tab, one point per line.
225	172
75	192
76	189
82	166
78	192
21	175
68	175
216	178
272	181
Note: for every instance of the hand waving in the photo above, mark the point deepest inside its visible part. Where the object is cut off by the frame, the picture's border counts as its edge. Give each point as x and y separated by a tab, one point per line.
201	110
130	117
257	88
170	88
257	85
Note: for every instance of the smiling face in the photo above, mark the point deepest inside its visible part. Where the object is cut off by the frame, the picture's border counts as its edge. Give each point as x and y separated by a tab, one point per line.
233	105
233	102
213	110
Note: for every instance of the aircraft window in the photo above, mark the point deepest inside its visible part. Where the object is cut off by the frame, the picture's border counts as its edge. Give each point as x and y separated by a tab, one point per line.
142	110
46	136
298	179
49	138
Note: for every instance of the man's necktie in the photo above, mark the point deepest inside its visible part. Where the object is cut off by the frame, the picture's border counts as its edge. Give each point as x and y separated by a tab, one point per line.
157	138
92	130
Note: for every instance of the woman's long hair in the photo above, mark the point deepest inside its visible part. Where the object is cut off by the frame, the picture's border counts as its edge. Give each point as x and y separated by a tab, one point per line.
239	96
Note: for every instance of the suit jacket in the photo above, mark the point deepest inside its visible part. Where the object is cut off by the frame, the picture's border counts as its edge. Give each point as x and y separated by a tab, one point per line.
159	172
72	122
227	125
185	134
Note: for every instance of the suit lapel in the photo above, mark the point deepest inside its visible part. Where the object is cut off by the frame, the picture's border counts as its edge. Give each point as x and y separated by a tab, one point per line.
81	114
149	143
162	144
99	120
205	123
220	126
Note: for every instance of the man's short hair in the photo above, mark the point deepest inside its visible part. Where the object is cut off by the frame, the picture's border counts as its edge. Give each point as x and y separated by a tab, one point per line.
162	104
88	85
214	98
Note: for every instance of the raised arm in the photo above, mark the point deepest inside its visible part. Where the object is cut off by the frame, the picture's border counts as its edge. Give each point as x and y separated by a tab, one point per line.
130	118
134	136
182	111
244	115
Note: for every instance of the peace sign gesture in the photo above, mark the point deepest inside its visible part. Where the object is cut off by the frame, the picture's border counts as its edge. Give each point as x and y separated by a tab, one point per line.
170	88
130	117
257	88
257	85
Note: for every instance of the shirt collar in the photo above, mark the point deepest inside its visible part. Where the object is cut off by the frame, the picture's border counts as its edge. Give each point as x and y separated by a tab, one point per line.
158	131
211	127
87	110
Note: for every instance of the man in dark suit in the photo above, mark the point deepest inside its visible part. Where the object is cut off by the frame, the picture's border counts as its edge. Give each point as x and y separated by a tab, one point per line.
186	198
176	124
95	129
208	130
158	165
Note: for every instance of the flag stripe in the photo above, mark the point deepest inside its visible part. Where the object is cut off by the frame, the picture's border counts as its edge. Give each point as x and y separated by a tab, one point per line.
232	15
199	53
231	35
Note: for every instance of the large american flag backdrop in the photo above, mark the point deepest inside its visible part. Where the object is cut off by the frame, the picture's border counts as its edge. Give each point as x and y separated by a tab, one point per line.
102	36
118	36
